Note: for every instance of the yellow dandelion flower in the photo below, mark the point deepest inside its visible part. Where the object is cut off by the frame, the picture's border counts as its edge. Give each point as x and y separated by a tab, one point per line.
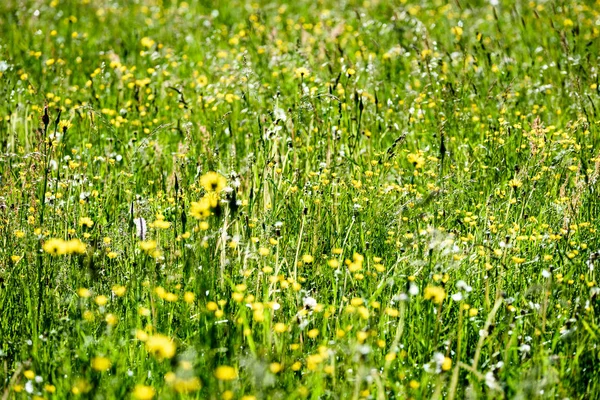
86	221
437	294
161	346
308	259
213	182
301	72
143	392
416	159
225	373
101	300
55	247
101	364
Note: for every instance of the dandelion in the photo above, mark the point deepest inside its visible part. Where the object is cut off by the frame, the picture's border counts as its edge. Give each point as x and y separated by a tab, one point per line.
189	297
213	182
148	246
301	72
161	346
119	290
143	392
515	183
436	294
225	373
101	300
201	208
416	160
86	221
308	259
100	364
58	247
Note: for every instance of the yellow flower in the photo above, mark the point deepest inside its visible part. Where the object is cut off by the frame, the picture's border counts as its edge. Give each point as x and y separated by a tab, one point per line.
75	246
86	221
29	374
308	259
435	294
143	392
101	300
148	245
83	292
189	297
161	224
111	319
515	183
225	373
101	364
183	385
55	247
201	208
417	160
301	72
447	364
119	290
58	247
161	346
213	182
50	388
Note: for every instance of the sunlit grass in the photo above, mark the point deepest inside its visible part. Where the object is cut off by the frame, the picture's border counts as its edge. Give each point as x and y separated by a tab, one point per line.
308	200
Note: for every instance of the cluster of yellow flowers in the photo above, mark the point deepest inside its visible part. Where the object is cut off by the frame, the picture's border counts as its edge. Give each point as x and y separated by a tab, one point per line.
59	247
213	183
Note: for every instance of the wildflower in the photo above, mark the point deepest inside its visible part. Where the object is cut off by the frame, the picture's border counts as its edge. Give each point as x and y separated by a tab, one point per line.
119	290
515	183
61	247
101	364
435	294
189	297
86	221
301	72
64	125
148	245
55	246
225	373
275	367
200	209
143	392
308	259
161	346
101	300
183	385
213	182
140	228
111	319
416	159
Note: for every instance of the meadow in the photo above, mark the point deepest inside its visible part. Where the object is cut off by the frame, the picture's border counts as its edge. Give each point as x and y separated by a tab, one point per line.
299	200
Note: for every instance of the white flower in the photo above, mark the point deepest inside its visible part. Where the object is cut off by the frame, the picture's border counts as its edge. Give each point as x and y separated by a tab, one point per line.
140	228
546	274
309	302
457	296
413	289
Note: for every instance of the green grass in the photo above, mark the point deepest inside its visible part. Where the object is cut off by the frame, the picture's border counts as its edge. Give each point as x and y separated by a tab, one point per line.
411	202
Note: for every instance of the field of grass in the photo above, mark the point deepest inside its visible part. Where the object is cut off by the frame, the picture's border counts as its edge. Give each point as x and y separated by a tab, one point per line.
315	199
